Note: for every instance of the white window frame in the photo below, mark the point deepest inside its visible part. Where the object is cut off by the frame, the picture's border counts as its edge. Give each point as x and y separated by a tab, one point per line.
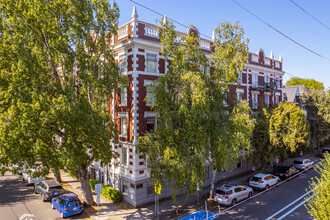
239	78
124	156
123	116
122	63
254	79
255	100
267	79
123	97
239	94
155	59
267	96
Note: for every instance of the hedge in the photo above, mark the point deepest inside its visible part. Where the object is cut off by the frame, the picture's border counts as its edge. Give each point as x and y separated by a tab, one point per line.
107	191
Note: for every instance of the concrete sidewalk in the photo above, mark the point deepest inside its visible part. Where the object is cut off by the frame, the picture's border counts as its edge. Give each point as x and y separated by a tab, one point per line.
123	210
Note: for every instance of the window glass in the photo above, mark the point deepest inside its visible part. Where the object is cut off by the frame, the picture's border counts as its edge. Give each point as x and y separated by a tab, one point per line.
266	99
150	97
123	96
238	189
124	155
230	192
151	124
122	64
125	187
151	63
74	203
123	126
239	96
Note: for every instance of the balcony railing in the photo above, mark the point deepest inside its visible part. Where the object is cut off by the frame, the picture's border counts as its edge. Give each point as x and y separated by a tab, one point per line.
122	32
151	31
258	86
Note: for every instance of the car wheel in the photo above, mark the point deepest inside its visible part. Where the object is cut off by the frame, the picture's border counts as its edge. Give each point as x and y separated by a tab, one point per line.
250	195
266	187
53	206
278	181
233	202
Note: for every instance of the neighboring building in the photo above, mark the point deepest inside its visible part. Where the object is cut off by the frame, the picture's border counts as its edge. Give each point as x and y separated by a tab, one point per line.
137	52
295	94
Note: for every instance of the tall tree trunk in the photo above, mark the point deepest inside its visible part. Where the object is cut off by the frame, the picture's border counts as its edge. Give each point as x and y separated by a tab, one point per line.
214	171
318	147
57	174
86	188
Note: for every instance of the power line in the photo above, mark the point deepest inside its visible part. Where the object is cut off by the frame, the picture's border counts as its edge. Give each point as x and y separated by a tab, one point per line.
310	15
278	31
167	17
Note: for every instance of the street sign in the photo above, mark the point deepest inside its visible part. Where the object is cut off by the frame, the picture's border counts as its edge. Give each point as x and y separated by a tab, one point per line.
98	188
98	199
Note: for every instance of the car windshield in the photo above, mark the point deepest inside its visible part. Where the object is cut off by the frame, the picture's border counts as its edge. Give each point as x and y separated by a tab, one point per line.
256	178
221	192
298	162
74	203
55	187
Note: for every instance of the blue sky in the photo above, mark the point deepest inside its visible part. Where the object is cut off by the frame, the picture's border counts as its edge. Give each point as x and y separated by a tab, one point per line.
206	15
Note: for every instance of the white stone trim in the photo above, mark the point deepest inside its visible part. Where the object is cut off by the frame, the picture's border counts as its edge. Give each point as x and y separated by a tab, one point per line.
135	108
148	82
255	92
278	93
239	90
150	114
122	114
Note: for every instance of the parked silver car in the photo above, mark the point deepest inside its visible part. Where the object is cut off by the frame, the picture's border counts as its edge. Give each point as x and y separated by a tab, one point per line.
302	164
230	194
48	189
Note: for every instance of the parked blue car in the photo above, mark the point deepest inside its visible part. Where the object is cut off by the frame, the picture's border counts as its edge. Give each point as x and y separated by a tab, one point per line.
67	204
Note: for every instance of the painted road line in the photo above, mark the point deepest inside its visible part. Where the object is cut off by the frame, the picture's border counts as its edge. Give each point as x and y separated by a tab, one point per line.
278	212
294	208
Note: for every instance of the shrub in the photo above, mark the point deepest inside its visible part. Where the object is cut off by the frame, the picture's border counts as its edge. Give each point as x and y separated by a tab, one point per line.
73	174
92	183
107	191
111	193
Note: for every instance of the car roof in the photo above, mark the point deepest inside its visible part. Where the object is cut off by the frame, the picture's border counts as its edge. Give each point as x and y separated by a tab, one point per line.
70	197
261	175
52	183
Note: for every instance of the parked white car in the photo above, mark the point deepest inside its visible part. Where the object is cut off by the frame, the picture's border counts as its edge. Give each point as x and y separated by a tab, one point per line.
302	164
27	176
230	194
263	181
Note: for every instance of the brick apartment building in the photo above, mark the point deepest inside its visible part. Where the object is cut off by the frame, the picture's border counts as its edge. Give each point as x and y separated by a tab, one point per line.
137	51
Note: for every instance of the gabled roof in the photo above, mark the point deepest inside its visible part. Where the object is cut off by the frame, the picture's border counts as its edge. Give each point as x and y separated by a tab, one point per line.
295	90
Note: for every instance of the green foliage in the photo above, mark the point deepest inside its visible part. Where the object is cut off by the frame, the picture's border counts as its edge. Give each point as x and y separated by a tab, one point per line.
289	132
107	191
319	206
262	151
93	182
55	82
322	102
309	83
194	125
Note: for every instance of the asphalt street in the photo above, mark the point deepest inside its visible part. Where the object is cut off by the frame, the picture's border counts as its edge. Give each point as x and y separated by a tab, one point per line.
17	199
286	201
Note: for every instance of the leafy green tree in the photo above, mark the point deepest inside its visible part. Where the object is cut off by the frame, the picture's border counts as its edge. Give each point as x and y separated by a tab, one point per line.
288	131
262	150
316	104
57	76
319	206
194	125
309	83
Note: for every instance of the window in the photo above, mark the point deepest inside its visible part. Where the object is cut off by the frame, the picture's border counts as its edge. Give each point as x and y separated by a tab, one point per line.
277	99
239	78
151	63
239	96
254	80
124	156
150	97
123	127
125	187
123	97
267	79
151	124
266	99
254	100
122	64
277	83
150	188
